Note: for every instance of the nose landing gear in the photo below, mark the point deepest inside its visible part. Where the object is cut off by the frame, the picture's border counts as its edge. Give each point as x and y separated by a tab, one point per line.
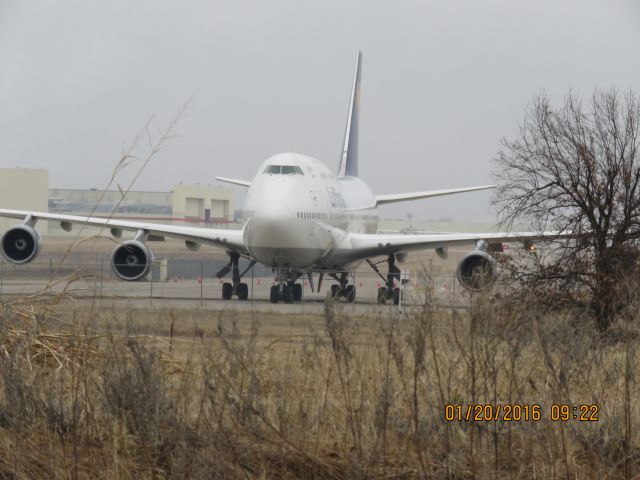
286	290
238	288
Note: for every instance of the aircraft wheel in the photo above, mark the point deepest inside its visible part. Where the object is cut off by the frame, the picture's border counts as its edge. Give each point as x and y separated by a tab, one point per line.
296	292
382	295
350	293
227	291
286	294
243	291
274	295
396	296
335	291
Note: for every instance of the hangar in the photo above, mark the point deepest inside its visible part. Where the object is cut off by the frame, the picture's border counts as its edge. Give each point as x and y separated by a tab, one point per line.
24	189
195	205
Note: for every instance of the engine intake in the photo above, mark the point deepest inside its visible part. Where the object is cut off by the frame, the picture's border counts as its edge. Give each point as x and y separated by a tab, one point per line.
131	260
477	270
20	244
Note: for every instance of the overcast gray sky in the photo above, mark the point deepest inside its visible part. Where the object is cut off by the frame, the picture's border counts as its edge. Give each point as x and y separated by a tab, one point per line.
443	81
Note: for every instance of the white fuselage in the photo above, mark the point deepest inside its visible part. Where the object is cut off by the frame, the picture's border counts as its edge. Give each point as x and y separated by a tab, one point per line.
298	215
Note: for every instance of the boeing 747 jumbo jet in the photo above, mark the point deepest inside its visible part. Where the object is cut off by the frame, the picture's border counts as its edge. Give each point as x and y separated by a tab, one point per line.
300	219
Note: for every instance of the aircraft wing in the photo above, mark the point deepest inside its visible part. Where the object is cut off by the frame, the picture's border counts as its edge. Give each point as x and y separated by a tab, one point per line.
402	197
368	245
222	238
235	181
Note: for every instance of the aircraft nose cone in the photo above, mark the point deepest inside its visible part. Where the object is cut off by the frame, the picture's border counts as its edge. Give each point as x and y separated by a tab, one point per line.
270	221
269	225
274	237
273	211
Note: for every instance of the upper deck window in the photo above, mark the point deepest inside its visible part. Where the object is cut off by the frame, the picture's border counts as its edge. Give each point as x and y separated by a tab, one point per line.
283	170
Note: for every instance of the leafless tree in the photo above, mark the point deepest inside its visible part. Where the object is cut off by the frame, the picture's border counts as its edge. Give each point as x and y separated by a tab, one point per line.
575	168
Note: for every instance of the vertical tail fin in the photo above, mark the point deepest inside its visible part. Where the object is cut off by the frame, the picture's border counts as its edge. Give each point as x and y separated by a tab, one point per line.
349	161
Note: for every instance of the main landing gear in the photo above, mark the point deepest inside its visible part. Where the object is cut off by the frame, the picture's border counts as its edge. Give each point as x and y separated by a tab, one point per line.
344	290
389	292
238	288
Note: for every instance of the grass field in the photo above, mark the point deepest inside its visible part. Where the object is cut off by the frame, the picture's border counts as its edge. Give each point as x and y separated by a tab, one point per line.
141	393
122	392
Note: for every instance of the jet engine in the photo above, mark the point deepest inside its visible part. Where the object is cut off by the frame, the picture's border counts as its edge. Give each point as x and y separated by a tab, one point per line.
131	260
20	244
477	270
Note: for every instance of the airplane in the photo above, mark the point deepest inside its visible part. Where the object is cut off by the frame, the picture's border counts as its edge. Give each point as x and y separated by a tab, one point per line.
300	219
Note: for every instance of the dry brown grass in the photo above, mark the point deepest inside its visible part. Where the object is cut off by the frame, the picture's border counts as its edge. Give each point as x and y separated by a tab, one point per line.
125	393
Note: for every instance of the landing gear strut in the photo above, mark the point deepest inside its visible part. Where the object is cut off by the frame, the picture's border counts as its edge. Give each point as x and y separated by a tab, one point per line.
238	288
389	291
343	289
286	290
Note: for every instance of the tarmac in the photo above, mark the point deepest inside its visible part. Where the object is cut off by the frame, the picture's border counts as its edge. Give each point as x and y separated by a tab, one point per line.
193	284
207	295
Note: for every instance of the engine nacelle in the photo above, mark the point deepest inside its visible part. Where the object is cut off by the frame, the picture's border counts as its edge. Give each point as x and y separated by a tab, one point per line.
477	270
131	260
20	244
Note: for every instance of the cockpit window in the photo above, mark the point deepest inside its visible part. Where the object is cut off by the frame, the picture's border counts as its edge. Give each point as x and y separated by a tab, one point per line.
283	170
291	170
273	169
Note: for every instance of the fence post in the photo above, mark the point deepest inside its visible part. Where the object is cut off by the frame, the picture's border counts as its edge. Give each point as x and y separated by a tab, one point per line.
455	300
50	268
201	281
355	292
252	282
401	293
101	274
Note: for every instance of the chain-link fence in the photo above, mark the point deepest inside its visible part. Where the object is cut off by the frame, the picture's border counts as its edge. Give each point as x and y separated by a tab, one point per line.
188	279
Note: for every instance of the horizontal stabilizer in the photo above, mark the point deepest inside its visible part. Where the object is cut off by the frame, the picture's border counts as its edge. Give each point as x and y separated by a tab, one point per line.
403	197
242	183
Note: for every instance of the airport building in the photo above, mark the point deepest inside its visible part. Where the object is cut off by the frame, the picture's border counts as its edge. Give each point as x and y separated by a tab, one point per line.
24	189
194	205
